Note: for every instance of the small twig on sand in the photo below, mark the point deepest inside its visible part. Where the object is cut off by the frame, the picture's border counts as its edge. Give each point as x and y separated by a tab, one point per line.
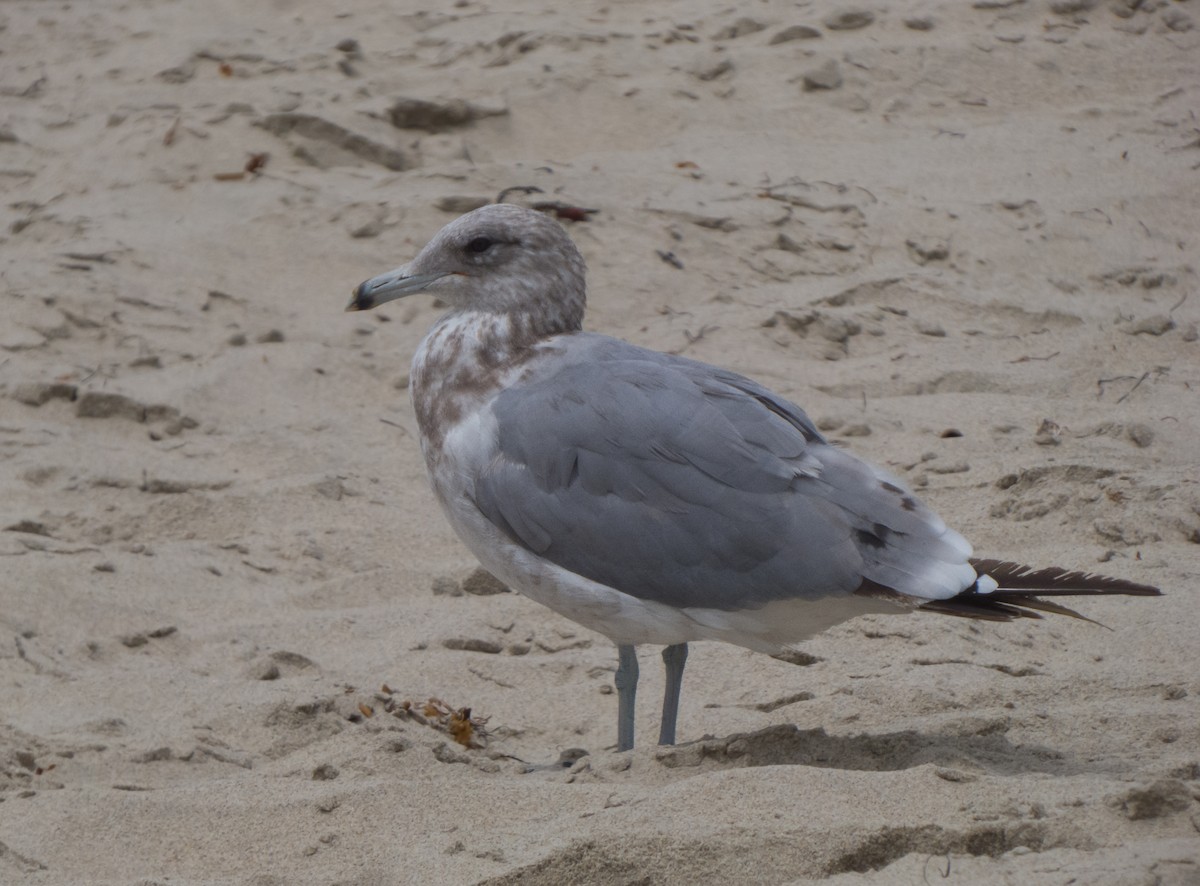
1145	375
1101	382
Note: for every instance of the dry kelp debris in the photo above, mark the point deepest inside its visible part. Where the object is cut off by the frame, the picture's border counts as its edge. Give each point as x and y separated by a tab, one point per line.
468	731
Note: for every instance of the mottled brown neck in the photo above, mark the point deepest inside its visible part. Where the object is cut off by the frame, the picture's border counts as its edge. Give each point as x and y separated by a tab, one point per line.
463	361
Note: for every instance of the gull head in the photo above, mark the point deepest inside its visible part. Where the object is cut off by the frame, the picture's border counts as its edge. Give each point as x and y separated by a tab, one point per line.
500	259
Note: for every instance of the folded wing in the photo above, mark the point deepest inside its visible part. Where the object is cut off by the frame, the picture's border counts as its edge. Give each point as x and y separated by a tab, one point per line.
681	483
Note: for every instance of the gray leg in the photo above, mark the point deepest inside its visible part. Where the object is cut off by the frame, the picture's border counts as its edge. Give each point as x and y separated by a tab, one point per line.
674	657
626	680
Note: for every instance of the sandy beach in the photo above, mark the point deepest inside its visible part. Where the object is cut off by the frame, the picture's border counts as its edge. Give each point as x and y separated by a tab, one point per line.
238	640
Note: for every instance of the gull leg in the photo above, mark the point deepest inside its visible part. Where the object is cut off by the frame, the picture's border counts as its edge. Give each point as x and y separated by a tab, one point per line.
626	680
674	657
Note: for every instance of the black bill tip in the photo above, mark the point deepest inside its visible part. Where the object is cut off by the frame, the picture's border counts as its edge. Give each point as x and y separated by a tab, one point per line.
361	299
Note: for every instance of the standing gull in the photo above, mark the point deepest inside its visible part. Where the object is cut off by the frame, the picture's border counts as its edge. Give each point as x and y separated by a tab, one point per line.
652	498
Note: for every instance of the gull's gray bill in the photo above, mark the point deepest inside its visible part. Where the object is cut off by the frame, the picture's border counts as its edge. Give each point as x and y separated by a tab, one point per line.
386	287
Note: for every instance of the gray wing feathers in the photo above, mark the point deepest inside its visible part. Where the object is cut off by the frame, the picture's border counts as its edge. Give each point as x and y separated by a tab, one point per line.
905	545
676	482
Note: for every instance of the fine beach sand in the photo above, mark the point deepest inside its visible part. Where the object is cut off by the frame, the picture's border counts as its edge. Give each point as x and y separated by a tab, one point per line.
964	236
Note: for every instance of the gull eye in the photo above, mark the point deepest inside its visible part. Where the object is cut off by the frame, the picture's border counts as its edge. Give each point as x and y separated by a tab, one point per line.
480	245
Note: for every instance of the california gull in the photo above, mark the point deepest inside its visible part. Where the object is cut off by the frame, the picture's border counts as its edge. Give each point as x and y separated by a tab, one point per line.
652	498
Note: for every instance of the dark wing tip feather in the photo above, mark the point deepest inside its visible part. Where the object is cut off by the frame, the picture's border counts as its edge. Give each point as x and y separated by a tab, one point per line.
1019	588
978	607
1015	577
